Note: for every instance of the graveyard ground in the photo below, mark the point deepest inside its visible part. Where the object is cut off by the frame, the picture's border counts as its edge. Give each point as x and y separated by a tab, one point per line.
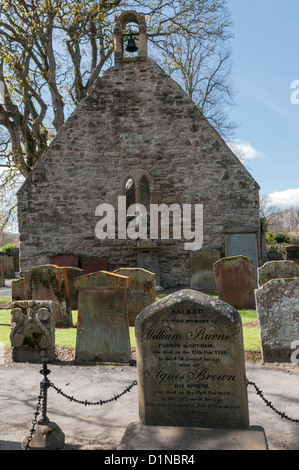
102	427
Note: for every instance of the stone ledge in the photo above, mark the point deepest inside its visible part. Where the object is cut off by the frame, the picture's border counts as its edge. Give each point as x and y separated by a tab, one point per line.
141	437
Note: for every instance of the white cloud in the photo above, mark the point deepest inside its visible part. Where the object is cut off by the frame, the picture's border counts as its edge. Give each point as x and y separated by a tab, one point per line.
244	150
285	199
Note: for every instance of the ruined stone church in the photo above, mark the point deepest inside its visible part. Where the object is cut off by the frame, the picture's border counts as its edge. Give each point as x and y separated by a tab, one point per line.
138	134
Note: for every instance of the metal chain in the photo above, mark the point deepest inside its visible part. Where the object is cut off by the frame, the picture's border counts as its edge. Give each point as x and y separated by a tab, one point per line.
34	421
100	402
85	402
268	403
116	397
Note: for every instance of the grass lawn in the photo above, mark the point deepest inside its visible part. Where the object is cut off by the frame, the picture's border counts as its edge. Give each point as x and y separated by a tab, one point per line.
67	336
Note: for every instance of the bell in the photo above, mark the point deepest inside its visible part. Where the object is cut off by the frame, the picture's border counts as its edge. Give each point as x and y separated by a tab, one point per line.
131	46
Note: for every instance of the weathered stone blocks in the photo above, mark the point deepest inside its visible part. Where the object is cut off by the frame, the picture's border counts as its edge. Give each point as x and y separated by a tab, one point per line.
135	117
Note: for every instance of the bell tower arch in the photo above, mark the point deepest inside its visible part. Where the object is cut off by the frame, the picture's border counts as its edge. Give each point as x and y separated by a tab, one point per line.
123	34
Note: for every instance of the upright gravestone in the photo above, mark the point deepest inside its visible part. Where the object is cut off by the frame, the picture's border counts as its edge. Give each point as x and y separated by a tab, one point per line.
141	292
293	253
235	281
18	289
275	253
192	391
147	258
9	266
190	363
276	270
201	269
278	316
93	264
65	260
2	272
103	323
48	282
32	331
71	274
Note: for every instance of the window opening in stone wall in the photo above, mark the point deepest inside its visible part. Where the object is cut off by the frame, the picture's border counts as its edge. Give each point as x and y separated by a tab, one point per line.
130	193
145	195
145	199
137	191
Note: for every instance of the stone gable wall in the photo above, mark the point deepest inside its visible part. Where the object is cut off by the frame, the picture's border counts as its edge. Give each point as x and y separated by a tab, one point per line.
135	117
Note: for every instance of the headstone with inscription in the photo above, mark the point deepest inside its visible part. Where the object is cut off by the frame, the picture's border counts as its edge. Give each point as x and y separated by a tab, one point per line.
277	304
192	391
141	292
235	281
190	360
103	323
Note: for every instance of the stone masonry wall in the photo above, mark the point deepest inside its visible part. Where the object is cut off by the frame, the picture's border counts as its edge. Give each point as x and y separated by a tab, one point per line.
135	117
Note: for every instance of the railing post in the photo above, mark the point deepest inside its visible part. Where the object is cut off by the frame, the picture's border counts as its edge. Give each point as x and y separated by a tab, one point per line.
45	384
45	434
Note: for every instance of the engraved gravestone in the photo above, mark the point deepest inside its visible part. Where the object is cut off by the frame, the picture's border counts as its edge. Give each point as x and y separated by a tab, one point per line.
103	323
190	363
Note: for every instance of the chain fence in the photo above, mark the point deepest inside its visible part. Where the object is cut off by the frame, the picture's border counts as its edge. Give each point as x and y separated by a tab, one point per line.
41	407
91	403
268	403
